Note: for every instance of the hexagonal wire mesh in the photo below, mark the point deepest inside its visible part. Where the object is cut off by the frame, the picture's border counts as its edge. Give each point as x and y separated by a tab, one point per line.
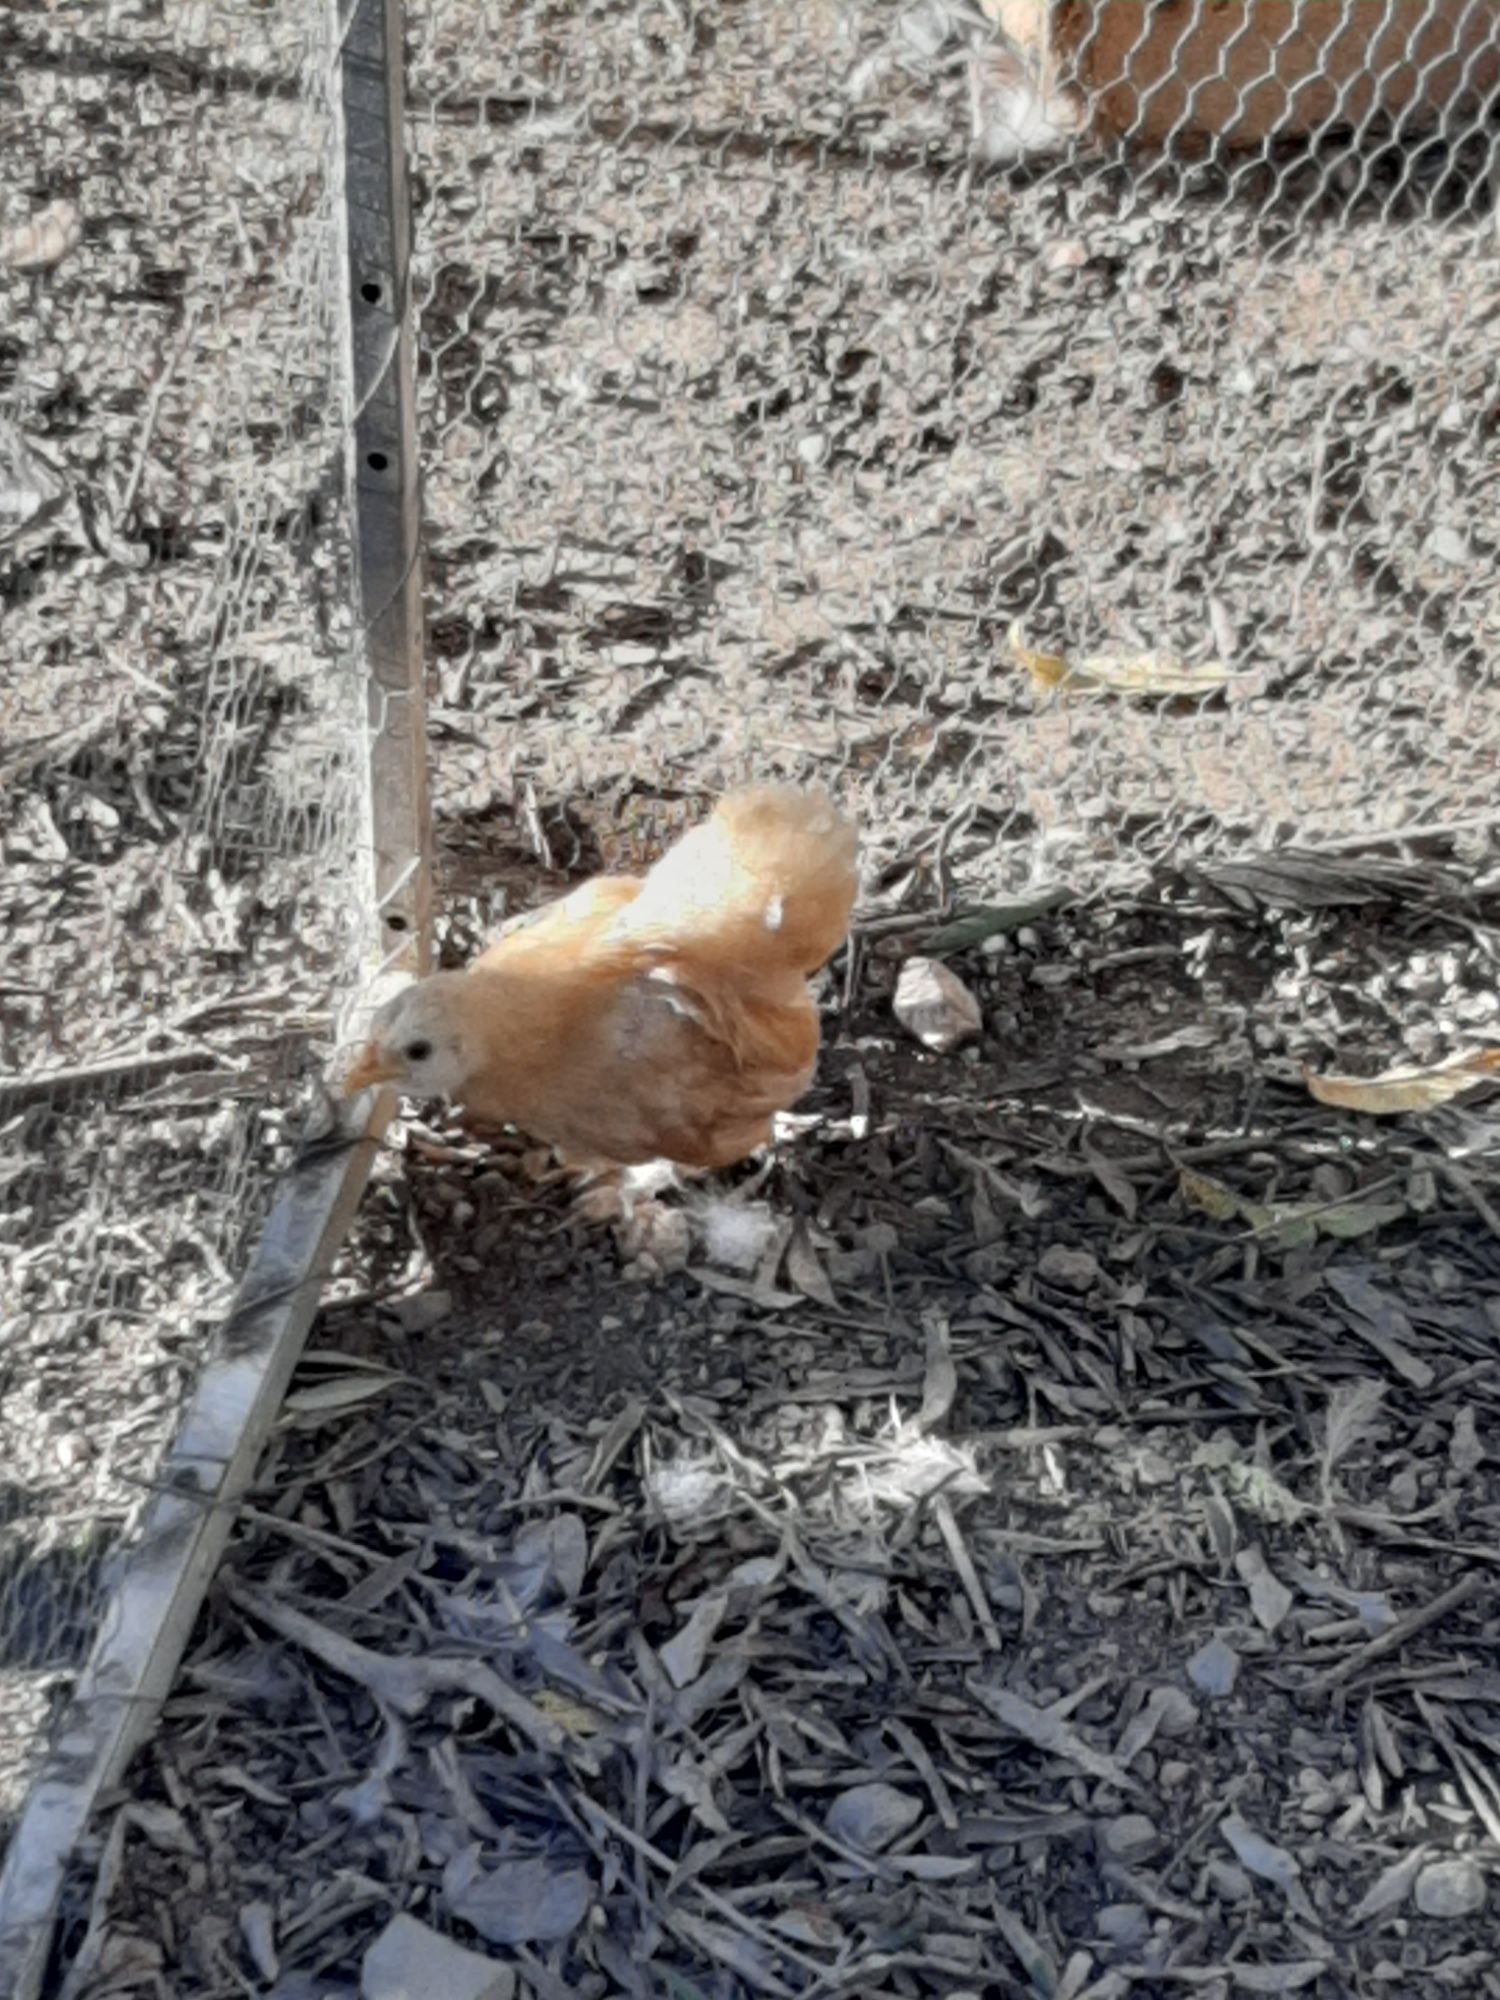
780	361
184	806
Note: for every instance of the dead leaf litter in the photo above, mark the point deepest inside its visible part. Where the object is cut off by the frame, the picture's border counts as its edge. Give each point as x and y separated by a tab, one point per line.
1045	1580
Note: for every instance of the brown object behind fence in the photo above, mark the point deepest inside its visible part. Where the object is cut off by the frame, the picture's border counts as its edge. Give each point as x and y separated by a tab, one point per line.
1240	72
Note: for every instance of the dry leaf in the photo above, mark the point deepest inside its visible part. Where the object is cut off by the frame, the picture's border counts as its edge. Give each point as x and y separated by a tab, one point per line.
768	1297
410	1957
1049	1732
1167	1711
1289	1978
1352	1410
1408	1089
574	1716
1209	1197
1261	1856
1392	1887
986	920
1148	674
804	1269
338	1392
527	1900
1290	1228
1377	1319
1117	1185
686	1779
1258	1488
258	1929
1465	1452
1351	1219
1270	1599
684	1653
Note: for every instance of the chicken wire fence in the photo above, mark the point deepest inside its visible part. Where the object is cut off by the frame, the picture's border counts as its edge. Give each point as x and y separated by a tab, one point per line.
1067	431
183	812
810	388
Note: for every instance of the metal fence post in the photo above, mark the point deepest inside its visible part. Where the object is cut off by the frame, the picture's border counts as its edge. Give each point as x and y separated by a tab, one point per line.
384	484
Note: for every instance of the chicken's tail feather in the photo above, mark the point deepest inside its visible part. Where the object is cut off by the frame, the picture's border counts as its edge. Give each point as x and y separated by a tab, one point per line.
767	881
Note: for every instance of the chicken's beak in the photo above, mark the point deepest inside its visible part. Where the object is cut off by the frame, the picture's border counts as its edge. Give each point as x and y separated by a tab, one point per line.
372	1065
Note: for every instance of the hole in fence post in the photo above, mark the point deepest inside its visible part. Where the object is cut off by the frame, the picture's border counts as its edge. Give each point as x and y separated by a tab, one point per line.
377	461
396	923
371	292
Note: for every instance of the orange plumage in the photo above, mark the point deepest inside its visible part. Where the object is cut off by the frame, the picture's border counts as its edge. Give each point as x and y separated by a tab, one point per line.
661	1017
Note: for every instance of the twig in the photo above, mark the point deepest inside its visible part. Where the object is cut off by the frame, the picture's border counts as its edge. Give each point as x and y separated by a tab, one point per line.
638	1844
915	1752
1461	1184
404	1682
968	1576
143	1067
153	407
1396	1636
1471	1774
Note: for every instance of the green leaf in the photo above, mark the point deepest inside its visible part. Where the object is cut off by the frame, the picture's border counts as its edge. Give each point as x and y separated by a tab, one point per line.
973	926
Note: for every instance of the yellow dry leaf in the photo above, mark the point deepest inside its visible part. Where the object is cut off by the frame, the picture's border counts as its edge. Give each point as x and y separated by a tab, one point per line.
1213	1198
1285	1228
1413	1089
576	1717
1158	674
1210	1197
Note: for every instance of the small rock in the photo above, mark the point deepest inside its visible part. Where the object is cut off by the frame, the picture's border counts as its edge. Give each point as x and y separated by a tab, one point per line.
43	239
1453	1888
1129	1838
1070	1270
1230	1881
924	28
1124	1924
422	1311
1177	1713
409	1961
1067	254
258	1929
1153	1468
72	1450
1214	1668
934	1006
870	1817
1448	546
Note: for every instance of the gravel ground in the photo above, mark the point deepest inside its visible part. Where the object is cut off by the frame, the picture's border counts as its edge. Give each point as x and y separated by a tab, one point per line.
1054	1567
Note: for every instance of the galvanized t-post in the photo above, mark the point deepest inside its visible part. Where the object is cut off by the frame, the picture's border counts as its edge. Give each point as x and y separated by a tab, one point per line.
146	1623
384	485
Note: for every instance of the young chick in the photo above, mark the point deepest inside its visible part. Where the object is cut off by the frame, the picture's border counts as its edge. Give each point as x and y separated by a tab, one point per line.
641	1019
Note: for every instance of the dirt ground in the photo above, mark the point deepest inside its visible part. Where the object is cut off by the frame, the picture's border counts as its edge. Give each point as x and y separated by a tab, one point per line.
1053	1558
1030	1579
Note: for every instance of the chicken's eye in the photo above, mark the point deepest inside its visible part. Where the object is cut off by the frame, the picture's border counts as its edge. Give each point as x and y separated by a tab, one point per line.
418	1051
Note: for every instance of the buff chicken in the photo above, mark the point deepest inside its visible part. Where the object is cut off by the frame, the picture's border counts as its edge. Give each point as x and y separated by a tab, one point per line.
663	1017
